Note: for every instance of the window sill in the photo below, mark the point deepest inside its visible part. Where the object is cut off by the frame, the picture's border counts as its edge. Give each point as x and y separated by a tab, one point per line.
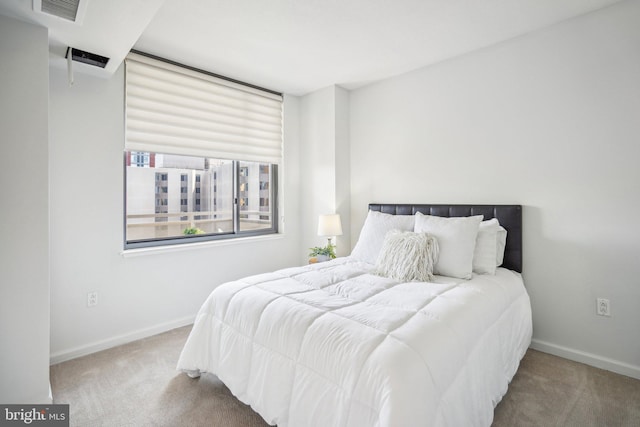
128	253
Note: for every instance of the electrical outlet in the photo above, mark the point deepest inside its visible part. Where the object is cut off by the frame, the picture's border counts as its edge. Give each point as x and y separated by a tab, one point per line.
92	299
602	307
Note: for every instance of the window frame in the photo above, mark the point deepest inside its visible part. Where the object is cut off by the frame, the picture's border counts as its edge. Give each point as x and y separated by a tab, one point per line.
237	233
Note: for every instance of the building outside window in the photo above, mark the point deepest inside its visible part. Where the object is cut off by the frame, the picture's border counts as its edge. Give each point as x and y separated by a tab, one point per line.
184	201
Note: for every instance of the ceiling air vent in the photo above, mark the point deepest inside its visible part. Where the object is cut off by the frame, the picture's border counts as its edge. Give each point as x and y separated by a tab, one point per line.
65	9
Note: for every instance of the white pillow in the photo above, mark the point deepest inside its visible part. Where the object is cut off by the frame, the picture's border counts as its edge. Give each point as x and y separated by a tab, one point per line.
456	239
501	244
373	232
407	256
485	253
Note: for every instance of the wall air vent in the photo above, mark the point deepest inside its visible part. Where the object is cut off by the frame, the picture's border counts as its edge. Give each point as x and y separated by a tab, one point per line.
87	57
70	10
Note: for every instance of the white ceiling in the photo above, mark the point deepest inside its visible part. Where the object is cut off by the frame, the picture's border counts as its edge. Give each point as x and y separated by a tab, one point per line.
298	46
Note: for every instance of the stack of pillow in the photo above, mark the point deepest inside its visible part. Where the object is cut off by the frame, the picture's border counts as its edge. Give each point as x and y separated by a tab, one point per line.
414	247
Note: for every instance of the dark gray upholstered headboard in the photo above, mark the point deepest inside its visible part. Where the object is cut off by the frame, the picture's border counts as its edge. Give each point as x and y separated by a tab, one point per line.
509	216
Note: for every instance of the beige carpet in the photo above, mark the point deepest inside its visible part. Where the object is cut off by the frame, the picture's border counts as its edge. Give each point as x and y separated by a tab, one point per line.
137	385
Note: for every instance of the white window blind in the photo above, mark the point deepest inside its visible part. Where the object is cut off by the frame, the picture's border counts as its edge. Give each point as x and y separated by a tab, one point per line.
176	110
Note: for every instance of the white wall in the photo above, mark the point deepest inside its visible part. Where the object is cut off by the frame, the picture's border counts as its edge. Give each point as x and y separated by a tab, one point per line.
24	217
324	160
549	120
137	295
343	169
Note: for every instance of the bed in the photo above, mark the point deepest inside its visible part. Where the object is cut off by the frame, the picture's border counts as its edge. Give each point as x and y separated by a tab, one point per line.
338	344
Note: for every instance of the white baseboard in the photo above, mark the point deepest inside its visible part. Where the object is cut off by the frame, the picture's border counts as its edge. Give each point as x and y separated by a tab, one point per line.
84	350
590	359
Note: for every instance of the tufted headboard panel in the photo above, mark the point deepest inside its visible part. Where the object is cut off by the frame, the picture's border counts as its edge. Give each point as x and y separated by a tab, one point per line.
509	216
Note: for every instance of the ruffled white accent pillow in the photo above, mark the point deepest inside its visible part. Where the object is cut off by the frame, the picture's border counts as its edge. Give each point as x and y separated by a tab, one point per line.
375	228
408	256
456	239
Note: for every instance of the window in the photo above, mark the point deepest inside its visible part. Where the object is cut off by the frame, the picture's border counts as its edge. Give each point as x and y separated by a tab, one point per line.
139	160
201	156
155	213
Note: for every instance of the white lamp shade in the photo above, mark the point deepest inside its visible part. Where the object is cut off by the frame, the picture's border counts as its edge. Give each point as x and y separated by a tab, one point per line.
329	225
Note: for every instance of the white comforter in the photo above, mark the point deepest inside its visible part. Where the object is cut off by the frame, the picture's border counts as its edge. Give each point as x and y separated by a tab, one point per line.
331	344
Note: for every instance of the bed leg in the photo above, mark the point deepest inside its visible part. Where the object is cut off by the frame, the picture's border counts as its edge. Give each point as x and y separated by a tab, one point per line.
193	374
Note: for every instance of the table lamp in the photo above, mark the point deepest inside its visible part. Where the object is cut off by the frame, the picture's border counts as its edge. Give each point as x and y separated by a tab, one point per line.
329	226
